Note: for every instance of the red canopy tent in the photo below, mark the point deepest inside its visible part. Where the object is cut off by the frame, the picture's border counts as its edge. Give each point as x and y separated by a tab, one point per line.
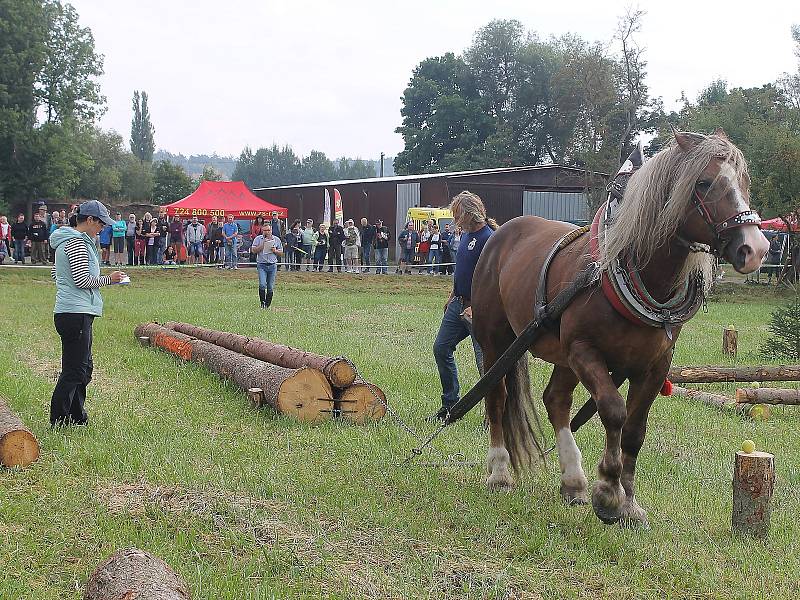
223	198
778	224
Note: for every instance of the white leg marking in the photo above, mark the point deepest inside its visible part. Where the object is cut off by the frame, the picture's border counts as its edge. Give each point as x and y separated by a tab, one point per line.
498	462
569	458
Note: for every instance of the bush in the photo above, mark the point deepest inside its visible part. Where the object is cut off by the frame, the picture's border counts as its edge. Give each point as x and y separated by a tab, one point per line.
784	328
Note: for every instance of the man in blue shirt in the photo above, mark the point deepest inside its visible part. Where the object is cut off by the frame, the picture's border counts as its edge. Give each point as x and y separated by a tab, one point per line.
267	249
231	235
470	214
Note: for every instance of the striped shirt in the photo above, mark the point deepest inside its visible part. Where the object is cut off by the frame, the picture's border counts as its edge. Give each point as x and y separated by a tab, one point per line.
78	257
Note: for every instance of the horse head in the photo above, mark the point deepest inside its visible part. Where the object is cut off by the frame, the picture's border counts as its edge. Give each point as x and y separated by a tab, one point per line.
718	212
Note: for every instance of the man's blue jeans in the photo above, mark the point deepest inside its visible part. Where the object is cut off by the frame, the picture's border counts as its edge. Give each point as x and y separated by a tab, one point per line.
19	250
381	256
434	258
231	253
366	255
162	244
266	275
451	332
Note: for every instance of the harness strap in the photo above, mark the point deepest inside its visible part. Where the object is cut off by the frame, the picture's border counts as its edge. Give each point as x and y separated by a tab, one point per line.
541	290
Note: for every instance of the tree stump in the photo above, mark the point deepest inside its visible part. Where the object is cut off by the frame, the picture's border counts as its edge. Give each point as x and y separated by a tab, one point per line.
361	402
753	483
768	396
730	341
256	397
131	574
338	370
18	446
724	403
302	393
716	374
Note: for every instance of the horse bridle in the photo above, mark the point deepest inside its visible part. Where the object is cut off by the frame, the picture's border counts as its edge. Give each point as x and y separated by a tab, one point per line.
746	217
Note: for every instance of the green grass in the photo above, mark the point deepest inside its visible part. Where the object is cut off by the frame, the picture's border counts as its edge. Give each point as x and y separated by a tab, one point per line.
247	504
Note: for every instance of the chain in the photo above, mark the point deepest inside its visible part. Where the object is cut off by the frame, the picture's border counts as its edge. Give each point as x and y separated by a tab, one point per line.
457	459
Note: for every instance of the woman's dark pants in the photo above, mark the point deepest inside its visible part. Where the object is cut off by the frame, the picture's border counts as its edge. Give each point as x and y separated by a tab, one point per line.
66	405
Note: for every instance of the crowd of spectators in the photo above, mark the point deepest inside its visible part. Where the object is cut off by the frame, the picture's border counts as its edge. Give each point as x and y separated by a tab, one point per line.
162	240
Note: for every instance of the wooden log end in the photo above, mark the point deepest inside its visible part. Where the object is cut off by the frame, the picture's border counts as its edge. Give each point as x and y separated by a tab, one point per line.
358	403
18	448
757	412
307	396
341	373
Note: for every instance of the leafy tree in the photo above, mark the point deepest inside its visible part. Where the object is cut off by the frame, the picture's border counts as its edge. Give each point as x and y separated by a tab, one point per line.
142	130
353	169
170	183
317	167
103	179
209	174
66	85
136	179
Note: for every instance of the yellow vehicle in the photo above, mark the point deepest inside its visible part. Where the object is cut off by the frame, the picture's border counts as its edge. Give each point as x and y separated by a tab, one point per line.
420	216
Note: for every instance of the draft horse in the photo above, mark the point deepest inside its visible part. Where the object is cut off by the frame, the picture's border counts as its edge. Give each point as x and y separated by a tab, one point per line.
651	276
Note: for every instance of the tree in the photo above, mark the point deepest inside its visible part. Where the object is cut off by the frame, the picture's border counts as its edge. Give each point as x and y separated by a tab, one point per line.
354	169
209	174
317	167
66	86
170	183
103	179
136	179
142	130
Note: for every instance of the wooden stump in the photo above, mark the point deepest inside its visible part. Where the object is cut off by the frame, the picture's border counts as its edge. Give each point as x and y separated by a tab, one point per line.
302	393
144	340
730	341
716	374
361	402
131	574
724	403
768	396
256	397
18	446
338	370
753	482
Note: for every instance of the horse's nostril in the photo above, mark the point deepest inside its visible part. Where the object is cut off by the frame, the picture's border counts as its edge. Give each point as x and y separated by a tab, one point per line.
744	253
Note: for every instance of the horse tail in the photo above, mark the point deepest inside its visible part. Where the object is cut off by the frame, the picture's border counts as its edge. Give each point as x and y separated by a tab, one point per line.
522	429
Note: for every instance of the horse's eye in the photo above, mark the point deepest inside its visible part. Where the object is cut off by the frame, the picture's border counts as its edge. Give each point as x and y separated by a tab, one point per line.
703	183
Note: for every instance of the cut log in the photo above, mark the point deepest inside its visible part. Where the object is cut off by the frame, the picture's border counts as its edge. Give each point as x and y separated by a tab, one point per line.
18	446
730	341
361	402
131	574
302	393
724	403
753	482
715	374
339	371
768	396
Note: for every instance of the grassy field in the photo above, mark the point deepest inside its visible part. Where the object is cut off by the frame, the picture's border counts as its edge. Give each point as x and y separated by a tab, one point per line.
246	504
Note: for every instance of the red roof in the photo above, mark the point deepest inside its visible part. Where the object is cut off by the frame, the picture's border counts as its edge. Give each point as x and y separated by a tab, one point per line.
222	198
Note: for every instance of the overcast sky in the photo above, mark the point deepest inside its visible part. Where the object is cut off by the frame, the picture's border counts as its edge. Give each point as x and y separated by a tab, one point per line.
222	74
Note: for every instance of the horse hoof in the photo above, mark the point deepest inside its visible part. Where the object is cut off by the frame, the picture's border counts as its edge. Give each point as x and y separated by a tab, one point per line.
633	516
607	502
573	497
499	483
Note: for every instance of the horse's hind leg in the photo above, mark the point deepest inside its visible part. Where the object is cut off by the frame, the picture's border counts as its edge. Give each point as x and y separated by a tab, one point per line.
557	399
498	460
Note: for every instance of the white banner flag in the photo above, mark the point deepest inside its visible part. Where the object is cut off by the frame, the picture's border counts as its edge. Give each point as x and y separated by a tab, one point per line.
326	212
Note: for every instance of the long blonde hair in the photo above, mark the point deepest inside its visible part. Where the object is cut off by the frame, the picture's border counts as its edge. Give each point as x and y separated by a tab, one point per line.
470	204
655	203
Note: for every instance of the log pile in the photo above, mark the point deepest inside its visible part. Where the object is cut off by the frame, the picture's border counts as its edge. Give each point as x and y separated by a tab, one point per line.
18	446
339	371
303	393
131	573
273	374
724	403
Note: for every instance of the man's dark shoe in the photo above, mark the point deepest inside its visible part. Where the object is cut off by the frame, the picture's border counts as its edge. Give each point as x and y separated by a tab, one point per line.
440	415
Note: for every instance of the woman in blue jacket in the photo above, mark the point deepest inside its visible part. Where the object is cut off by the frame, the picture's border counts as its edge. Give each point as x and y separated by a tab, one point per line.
77	275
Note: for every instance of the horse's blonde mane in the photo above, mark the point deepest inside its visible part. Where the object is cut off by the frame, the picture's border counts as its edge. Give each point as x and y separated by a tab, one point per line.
655	204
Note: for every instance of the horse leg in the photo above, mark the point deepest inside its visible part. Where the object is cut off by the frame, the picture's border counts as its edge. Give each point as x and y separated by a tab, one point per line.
641	394
608	495
498	460
557	399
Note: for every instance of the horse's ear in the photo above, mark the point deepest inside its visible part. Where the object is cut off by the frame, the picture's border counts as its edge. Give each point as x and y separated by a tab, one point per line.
686	139
720	133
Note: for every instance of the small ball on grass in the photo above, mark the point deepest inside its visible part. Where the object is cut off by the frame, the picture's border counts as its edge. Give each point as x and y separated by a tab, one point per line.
748	446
